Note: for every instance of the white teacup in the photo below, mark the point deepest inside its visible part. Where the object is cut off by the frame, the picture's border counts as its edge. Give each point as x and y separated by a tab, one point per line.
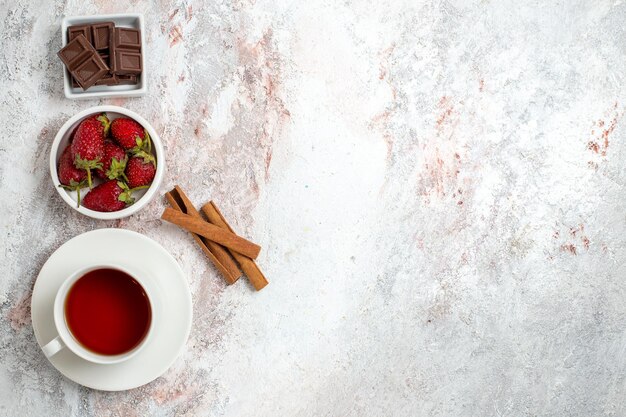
65	338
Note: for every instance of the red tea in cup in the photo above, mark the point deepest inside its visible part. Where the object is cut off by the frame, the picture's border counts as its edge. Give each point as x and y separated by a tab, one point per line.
108	311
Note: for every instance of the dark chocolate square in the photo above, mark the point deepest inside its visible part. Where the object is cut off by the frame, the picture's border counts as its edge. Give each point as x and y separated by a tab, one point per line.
105	57
75	51
108	79
127	38
101	35
126	62
83	62
124	79
90	71
74	31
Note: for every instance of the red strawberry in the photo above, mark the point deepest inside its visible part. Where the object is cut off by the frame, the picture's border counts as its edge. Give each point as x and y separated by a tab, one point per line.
67	171
113	162
128	133
105	123
88	144
70	177
112	195
140	169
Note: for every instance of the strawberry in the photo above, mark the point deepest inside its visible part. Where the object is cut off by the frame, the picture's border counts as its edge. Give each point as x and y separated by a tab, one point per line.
113	162
88	144
70	177
105	123
67	171
140	169
112	195
129	134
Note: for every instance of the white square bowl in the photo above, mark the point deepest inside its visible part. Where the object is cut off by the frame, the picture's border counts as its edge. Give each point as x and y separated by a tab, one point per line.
128	20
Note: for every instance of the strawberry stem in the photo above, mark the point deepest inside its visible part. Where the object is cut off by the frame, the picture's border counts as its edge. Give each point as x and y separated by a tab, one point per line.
74	186
87	165
117	168
141	187
147	139
106	124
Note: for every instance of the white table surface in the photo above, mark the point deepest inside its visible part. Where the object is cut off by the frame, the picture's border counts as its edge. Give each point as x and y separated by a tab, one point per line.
438	187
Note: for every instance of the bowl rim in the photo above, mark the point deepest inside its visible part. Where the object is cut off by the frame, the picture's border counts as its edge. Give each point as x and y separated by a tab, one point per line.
143	200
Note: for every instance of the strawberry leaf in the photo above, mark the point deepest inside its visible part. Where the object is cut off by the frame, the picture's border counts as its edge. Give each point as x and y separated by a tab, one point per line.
147	158
147	140
126	195
144	144
106	124
87	165
75	186
116	170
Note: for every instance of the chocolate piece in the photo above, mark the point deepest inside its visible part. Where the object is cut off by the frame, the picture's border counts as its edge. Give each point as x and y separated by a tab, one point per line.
102	34
83	62
125	52
126	62
87	73
74	31
105	57
110	56
108	79
126	38
113	79
126	79
75	51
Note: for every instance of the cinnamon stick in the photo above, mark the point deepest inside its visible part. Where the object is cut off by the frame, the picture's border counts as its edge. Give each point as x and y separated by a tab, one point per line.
249	267
212	232
219	256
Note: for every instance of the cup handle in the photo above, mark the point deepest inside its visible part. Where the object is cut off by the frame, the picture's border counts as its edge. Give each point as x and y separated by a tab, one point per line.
53	347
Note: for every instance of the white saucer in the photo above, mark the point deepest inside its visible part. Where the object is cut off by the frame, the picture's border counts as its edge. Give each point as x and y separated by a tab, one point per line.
133	250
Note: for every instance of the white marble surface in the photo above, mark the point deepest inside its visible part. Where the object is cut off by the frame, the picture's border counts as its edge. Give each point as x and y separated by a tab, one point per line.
438	187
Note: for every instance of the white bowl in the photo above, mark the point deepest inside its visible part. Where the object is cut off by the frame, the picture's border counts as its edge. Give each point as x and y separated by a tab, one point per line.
142	197
127	20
